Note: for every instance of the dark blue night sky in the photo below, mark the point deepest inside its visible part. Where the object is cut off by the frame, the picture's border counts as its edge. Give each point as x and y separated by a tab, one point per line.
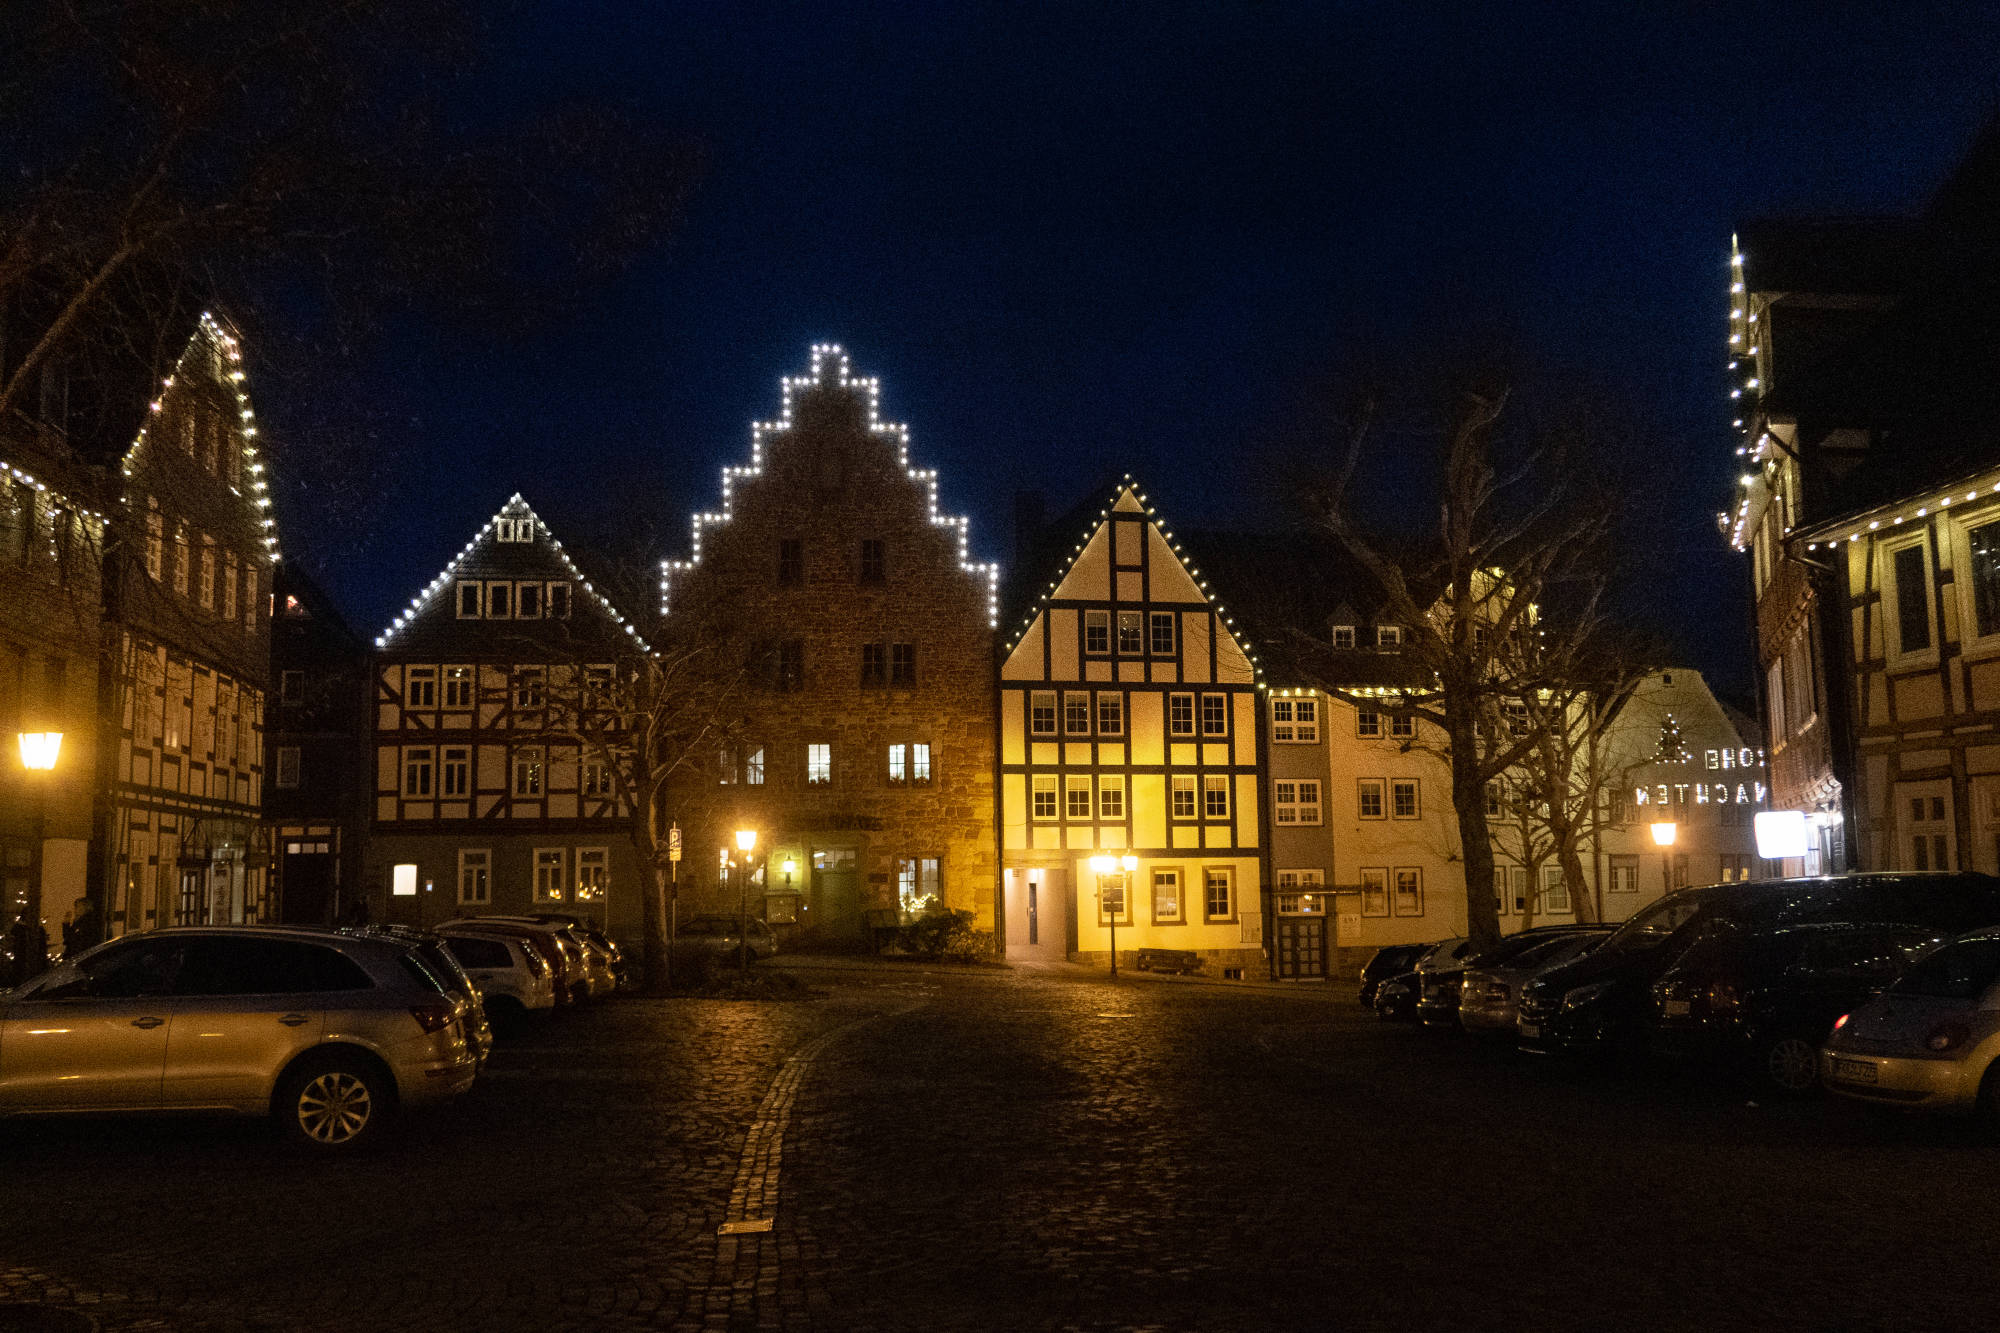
1074	240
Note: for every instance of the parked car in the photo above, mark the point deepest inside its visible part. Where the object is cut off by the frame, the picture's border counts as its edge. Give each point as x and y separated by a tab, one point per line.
1602	1002
1931	1041
328	1031
718	933
565	956
1439	980
430	946
1763	1001
585	928
1391	960
1490	993
1396	998
510	972
596	954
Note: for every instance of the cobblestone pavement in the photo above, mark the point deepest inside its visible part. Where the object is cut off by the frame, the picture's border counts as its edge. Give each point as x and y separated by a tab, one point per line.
991	1150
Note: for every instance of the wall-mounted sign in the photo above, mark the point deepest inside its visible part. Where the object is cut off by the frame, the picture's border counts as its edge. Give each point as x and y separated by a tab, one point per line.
1781	833
1701	793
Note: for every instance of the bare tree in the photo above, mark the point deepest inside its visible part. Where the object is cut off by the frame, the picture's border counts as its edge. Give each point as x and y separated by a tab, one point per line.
1501	605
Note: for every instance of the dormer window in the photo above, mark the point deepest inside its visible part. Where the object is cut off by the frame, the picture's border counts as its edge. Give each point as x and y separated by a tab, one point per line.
469	601
558	605
1389	638
1343	636
514	529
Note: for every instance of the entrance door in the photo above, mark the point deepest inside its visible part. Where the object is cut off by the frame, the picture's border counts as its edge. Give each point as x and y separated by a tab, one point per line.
1037	915
307	884
1301	947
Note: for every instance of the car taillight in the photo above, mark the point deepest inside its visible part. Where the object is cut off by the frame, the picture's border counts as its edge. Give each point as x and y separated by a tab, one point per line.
1724	998
1945	1036
434	1015
1841	1022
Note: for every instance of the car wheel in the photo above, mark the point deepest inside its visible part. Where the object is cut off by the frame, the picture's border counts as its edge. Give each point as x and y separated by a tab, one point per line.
335	1103
1791	1065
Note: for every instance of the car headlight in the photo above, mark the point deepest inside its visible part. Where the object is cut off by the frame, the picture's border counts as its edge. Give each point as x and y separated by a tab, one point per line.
1584	995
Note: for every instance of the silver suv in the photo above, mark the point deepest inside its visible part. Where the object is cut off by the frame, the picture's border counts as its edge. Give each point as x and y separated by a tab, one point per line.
328	1032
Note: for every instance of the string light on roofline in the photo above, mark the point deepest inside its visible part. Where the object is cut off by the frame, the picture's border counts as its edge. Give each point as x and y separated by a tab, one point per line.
1982	490
830	369
516	508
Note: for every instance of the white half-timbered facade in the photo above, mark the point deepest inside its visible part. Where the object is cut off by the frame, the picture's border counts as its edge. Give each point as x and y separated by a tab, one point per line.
490	793
1129	728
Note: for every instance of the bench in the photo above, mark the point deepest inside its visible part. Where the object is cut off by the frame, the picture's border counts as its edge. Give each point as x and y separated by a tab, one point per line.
1184	961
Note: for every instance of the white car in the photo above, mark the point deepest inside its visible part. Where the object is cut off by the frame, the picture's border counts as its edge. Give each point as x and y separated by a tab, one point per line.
510	972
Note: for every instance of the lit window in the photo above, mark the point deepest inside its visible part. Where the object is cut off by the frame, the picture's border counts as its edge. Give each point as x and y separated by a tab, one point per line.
725	765
1162	627
1076	714
1214	714
455	772
1111	798
1180	715
593	874
1045	796
528	772
1215	796
819	763
898	763
1042	713
417	772
1078	798
1166	897
1218	900
475	876
1371	793
1403	798
596	778
920	761
1131	633
1097	632
1110	714
551	865
753	767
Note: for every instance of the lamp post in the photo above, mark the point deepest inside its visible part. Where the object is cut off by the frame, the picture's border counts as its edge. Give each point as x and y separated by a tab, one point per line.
1663	837
1112	907
746	842
39	751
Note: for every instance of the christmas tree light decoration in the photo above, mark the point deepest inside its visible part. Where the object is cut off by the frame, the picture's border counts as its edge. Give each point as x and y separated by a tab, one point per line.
516	509
830	370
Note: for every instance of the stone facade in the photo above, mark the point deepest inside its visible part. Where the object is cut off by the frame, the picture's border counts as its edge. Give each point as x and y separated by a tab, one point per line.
856	635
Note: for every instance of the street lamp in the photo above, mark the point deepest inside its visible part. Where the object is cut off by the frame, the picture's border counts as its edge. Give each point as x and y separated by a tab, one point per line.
1105	865
39	751
746	842
1663	837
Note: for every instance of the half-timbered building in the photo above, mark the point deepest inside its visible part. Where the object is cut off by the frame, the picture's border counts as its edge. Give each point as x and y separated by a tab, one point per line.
858	744
490	793
187	653
1130	757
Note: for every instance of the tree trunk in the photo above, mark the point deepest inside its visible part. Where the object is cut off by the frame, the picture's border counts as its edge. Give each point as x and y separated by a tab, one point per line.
653	941
1581	900
1468	798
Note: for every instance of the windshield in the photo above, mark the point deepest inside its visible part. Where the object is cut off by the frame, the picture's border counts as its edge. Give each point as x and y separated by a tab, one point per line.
1962	971
1654	925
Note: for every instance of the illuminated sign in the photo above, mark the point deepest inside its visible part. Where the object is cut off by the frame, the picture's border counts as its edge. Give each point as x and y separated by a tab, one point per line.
1701	793
1781	833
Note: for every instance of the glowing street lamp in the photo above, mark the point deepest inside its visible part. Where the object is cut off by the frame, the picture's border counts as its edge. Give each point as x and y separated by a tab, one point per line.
1113	905
1664	834
746	842
39	752
39	749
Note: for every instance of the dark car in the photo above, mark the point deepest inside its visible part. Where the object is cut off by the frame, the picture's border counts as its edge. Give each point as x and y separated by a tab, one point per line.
1603	1001
1439	980
1764	1001
1391	960
1396	997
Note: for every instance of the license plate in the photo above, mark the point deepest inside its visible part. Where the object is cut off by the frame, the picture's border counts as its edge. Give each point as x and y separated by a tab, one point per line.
1674	1008
1854	1071
1530	1029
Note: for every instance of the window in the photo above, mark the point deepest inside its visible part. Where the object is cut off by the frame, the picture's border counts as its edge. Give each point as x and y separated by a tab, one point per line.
871	561
470	597
205	590
899	763
1912	587
1042	713
529	693
249	598
1183	796
155	538
1496	798
1131	633
291	687
514	529
455	771
725	765
1180	715
528	772
1110	714
475	876
1111	798
597	778
420	688
917	884
181	553
417	764
229	580
874	665
1403	798
1624	874
819	763
528	601
1367	722
790	666
593	873
1371	799
1215	715
1409	891
753	767
1218	898
1162	628
1343	636
1167	898
499	601
1984	576
1555	891
791	562
1374	891
1389	638
558	601
1735	866
1076	794
551	867
1295	721
1045	796
1097	632
288	766
1295	802
1402	728
458	687
920	761
1517	718
902	664
1112	903
1076	714
1215	795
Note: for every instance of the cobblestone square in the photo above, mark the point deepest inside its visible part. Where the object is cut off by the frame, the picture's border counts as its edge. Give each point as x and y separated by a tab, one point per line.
988	1149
